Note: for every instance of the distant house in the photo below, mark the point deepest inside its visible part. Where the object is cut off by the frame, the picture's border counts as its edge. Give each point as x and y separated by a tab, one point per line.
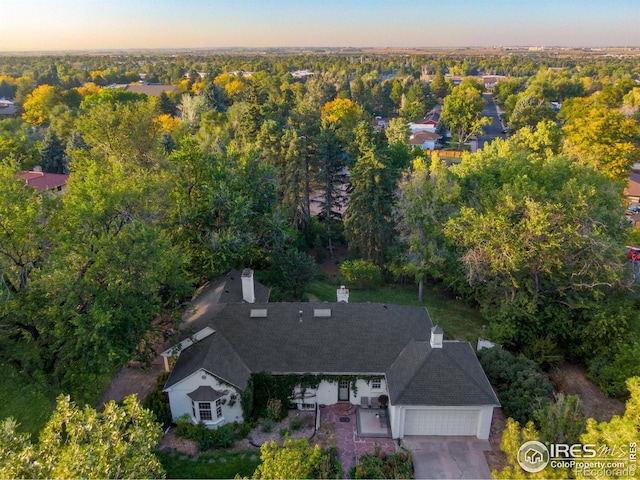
7	108
380	123
429	123
491	81
424	140
302	74
633	188
363	354
53	182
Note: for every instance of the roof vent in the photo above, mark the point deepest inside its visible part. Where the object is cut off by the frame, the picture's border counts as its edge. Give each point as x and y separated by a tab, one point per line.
258	313
322	312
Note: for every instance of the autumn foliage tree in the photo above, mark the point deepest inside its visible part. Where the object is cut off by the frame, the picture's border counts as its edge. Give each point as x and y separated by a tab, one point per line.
83	443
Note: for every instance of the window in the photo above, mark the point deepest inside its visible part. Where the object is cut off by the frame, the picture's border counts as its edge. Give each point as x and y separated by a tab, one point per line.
218	408
205	410
376	384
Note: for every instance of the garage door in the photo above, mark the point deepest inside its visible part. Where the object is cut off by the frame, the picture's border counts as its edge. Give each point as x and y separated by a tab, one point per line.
441	422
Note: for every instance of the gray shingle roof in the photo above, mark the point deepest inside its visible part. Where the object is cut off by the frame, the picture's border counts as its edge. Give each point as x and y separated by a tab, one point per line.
450	375
358	338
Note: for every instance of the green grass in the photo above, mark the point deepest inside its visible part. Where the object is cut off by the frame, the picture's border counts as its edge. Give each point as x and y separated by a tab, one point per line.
237	463
458	320
24	399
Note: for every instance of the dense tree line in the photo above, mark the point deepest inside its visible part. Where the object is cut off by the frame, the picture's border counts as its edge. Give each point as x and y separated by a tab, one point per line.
166	192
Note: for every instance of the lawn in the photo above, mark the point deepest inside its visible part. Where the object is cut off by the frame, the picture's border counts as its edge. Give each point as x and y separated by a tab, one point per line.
217	465
24	399
458	320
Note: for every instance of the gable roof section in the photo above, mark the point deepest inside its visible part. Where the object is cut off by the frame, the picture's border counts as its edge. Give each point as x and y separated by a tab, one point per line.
363	338
215	355
448	376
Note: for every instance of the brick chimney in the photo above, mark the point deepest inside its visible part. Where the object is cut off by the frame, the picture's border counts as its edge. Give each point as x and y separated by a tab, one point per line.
248	290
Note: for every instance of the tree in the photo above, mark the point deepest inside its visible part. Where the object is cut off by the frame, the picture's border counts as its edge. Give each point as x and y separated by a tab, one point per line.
398	131
439	86
619	432
462	113
165	105
368	221
83	443
513	438
427	198
331	161
52	154
528	112
291	271
415	102
23	211
541	239
561	421
602	138
191	107
40	103
295	459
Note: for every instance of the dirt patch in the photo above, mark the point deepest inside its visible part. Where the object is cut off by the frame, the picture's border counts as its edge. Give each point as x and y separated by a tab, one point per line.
496	459
133	379
572	380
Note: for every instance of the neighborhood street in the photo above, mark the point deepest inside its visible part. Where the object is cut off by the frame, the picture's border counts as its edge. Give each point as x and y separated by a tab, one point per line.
494	130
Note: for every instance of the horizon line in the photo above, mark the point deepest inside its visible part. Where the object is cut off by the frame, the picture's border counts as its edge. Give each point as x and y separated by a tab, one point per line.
318	47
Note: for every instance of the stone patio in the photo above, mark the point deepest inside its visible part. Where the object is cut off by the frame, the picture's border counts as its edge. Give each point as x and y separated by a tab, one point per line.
349	444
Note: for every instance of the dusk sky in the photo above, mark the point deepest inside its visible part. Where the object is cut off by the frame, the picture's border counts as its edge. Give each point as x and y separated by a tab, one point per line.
120	24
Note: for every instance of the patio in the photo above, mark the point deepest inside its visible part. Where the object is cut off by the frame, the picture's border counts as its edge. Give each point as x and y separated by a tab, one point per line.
373	422
358	431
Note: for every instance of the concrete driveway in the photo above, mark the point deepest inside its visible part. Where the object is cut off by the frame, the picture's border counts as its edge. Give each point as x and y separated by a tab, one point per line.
448	457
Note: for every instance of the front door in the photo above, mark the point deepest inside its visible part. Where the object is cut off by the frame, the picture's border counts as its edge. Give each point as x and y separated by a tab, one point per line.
343	390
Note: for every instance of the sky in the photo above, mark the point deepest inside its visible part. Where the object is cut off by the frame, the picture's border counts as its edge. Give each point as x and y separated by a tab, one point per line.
46	25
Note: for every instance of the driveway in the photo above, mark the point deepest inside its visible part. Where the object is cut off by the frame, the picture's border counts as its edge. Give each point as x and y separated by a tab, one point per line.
448	457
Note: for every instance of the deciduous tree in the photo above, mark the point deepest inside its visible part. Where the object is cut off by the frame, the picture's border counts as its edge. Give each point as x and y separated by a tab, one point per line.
83	443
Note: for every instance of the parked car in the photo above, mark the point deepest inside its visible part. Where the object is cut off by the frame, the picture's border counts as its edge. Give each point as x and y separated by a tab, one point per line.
633	253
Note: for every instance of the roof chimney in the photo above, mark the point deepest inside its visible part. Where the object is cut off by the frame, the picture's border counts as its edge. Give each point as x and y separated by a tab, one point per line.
436	337
248	291
343	294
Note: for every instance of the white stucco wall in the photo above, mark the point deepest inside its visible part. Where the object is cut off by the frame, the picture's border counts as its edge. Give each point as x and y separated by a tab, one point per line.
327	393
181	403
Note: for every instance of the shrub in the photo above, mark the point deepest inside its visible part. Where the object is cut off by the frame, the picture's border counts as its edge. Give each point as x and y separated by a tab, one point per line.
207	439
284	432
521	385
267	425
274	408
361	273
296	424
158	401
398	465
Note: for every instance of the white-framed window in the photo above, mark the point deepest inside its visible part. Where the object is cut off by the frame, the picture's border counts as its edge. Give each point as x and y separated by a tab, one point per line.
306	406
376	384
218	408
204	409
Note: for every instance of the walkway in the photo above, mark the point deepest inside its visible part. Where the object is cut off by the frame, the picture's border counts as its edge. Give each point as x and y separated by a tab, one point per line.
348	442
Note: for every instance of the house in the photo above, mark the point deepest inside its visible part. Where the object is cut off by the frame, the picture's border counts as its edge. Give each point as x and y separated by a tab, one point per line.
424	140
360	351
7	108
53	182
429	123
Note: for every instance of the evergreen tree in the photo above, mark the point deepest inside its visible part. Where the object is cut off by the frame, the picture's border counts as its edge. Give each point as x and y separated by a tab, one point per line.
368	222
165	105
52	154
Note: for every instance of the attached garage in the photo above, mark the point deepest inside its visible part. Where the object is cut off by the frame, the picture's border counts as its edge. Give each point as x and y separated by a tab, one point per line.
441	422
